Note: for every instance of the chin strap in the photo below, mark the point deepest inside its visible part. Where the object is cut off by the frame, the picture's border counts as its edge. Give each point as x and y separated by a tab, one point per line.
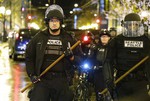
54	30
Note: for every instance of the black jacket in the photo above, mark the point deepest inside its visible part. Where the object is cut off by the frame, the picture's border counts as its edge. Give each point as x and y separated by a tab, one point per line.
99	57
117	52
36	47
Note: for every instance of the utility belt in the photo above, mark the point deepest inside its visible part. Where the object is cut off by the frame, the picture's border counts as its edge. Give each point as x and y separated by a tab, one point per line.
134	76
51	75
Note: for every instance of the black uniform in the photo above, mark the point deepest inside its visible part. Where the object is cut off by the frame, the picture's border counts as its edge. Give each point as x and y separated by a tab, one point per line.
125	51
97	58
123	54
41	51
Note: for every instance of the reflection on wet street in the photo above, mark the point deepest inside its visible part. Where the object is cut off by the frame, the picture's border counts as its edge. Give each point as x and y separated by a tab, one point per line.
12	78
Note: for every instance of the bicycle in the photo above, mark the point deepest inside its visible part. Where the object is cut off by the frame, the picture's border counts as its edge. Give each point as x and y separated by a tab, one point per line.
82	90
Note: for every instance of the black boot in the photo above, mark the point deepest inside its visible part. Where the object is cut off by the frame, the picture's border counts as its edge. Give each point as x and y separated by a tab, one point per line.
114	95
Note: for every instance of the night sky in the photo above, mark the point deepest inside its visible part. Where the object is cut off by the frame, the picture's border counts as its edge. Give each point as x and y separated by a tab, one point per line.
67	5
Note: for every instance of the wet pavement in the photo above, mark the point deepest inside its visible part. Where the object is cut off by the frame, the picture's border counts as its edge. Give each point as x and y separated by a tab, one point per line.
13	79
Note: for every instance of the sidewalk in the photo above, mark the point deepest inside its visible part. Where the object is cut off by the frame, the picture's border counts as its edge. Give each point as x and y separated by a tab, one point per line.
2	46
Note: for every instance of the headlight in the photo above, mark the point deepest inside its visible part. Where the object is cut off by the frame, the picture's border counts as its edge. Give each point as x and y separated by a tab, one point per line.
85	66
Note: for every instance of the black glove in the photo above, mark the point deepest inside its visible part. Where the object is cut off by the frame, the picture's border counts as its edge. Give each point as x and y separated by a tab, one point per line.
100	97
68	53
35	79
114	95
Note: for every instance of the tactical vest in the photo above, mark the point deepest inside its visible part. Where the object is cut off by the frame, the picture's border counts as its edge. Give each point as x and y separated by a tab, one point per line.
130	50
52	52
101	54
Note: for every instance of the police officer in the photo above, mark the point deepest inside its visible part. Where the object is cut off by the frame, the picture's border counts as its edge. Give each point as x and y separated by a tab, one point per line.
87	41
44	49
98	55
126	50
113	32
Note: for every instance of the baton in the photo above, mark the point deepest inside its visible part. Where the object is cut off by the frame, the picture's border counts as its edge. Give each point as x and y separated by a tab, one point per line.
50	66
126	73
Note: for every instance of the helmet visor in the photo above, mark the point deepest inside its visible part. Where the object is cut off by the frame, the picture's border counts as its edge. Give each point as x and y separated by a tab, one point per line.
133	29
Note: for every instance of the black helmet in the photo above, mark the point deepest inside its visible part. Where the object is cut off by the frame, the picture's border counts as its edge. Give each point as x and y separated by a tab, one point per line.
54	11
112	29
104	32
132	17
132	26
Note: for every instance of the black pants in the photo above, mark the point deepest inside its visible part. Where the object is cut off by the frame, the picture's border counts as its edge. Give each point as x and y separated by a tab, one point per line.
99	83
132	88
55	89
133	91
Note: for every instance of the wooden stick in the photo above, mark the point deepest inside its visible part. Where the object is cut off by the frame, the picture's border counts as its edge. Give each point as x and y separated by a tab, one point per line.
50	66
126	73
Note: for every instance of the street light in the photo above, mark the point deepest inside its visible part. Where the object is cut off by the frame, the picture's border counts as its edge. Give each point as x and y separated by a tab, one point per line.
76	5
4	12
75	16
76	10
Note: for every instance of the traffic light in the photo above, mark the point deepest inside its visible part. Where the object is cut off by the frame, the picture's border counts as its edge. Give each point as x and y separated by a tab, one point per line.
22	9
97	20
86	39
29	17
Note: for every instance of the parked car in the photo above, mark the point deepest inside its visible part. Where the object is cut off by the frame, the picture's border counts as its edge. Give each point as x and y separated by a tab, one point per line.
18	41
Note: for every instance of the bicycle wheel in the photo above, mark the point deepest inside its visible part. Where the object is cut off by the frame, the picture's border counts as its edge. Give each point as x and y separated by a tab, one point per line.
81	93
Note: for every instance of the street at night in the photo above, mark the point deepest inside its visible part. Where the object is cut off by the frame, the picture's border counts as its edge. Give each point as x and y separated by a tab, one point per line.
74	50
13	79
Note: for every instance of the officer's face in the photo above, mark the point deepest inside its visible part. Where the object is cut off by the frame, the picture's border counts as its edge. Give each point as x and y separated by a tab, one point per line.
113	33
96	40
54	23
133	29
132	26
104	39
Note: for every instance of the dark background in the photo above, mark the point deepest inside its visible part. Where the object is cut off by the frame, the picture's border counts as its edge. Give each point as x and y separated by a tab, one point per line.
67	5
